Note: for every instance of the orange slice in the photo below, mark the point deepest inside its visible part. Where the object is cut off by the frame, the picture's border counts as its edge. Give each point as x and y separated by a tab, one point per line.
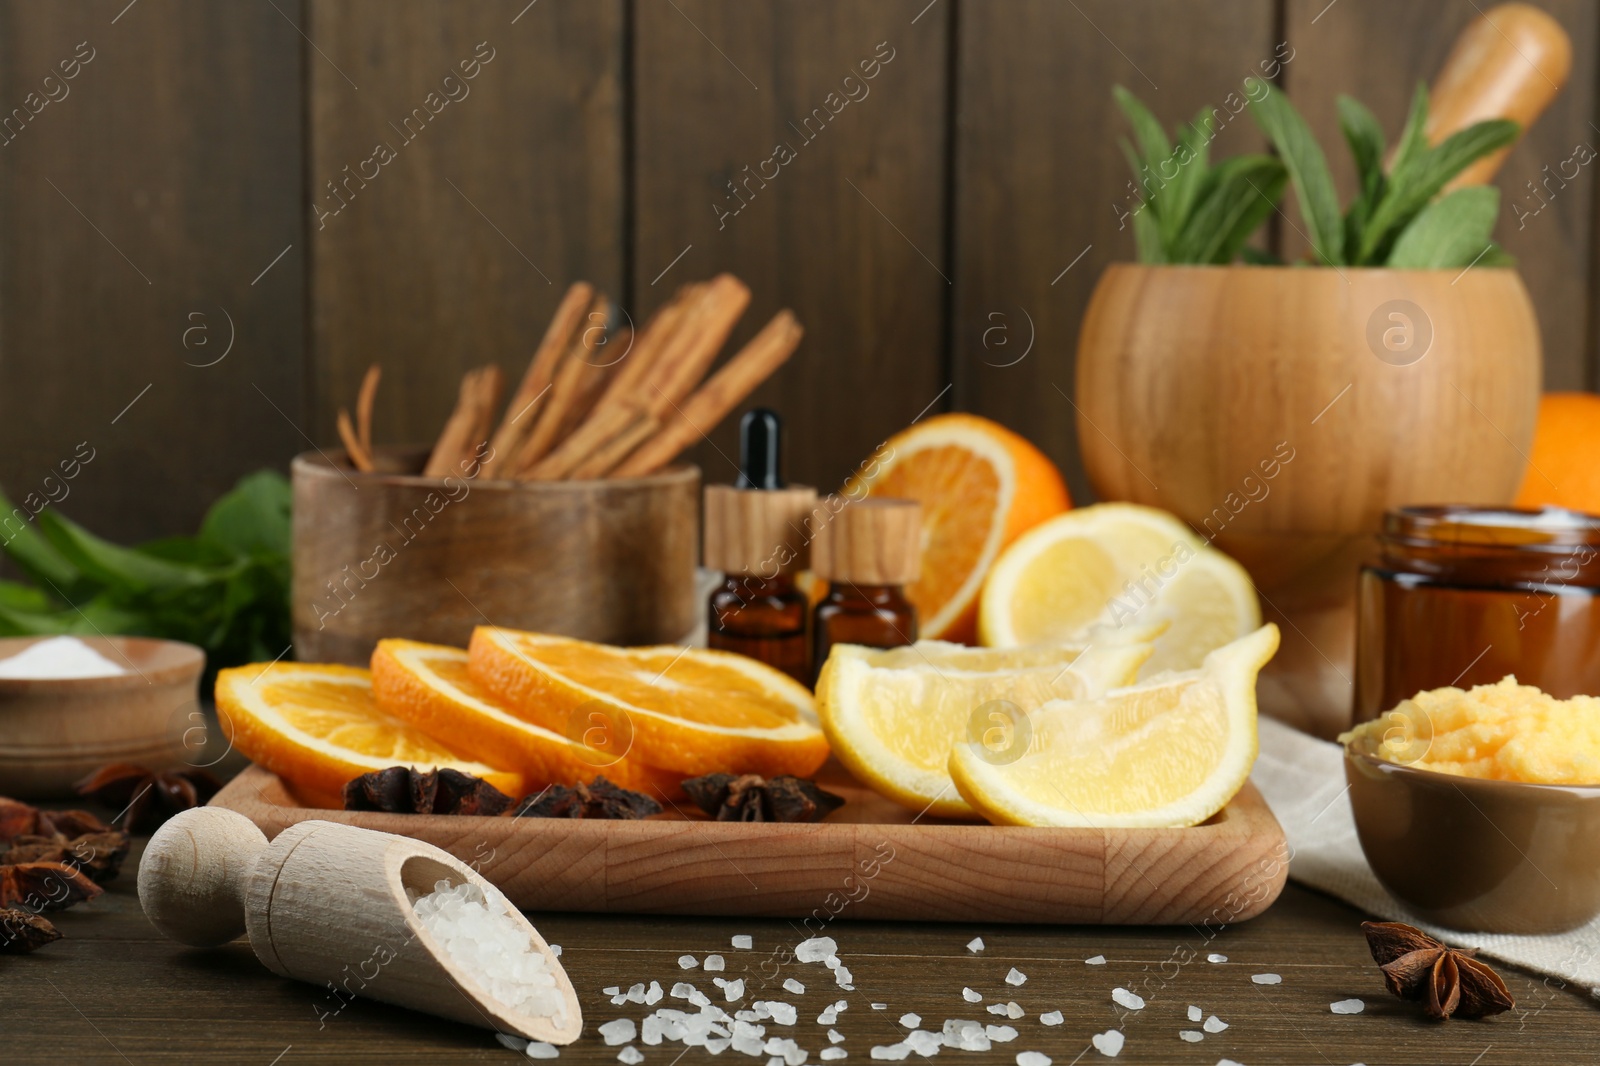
981	487
429	686
689	710
317	727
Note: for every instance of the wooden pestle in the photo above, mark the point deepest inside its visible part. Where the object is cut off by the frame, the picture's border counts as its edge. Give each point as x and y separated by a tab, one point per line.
326	903
1509	62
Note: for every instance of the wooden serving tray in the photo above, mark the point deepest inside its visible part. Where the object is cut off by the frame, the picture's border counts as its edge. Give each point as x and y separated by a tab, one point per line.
871	859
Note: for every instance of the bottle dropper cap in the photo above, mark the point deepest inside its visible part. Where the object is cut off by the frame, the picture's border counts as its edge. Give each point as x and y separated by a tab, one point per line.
758	528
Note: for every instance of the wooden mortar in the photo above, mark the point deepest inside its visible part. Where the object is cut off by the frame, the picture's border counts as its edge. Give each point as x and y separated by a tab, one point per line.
326	903
399	555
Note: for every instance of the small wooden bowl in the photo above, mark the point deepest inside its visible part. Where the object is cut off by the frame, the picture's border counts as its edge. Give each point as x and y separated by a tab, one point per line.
1485	856
399	555
55	732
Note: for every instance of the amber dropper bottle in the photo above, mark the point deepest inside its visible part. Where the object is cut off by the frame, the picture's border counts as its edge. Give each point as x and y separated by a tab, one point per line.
867	550
754	535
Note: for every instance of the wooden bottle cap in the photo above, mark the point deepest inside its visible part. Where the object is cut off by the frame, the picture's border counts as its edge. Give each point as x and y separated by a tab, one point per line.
873	541
757	531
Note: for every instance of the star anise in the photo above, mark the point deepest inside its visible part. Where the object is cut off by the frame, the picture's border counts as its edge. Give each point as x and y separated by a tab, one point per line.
44	886
752	798
1448	981
402	790
598	799
75	838
22	931
148	798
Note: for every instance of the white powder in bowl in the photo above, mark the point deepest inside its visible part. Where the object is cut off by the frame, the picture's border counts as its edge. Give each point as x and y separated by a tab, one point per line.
56	659
493	947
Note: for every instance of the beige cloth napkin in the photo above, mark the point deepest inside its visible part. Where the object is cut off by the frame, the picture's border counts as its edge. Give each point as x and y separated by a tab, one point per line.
1303	781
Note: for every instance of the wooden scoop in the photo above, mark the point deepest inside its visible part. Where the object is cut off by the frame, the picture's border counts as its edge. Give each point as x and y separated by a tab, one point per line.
1509	62
326	903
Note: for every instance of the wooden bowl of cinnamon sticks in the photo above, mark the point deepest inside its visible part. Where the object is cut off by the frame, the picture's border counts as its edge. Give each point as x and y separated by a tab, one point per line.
561	510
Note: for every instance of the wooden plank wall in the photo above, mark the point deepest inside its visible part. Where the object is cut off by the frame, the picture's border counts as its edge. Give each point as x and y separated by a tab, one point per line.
279	173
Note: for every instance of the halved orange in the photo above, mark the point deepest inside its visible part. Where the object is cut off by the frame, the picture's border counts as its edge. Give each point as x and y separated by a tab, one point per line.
690	710
981	487
429	686
316	726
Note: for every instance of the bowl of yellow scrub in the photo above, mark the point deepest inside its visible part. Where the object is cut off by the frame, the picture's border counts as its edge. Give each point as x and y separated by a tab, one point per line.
1480	808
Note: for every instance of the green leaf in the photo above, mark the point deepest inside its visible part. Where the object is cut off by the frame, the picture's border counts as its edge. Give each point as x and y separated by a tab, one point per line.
1365	138
1424	174
1449	233
1245	192
33	554
25	597
112	565
1259	257
1308	169
1153	143
252	519
1413	140
1190	167
1147	237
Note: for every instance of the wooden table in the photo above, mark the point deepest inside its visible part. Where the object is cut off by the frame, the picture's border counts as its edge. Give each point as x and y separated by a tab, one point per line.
116	992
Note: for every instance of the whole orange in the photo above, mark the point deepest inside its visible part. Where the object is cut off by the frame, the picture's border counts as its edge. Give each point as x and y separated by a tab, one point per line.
1564	466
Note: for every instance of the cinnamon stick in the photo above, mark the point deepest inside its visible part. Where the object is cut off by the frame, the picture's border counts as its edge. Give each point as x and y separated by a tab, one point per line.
707	322
603	426
606	458
711	403
564	392
352	443
364	401
517	425
469	424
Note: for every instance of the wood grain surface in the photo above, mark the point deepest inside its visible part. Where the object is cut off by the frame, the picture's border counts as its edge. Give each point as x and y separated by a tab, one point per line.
872	860
116	992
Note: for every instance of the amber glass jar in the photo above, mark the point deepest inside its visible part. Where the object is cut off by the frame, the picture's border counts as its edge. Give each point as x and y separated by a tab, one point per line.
1466	595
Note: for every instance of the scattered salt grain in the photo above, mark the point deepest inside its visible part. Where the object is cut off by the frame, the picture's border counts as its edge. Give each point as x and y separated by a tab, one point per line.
1347	1006
996	1008
840	1005
1098	960
791	985
1014	1011
58	658
970	996
618	1031
653	995
1193	1036
495	947
815	949
743	942
687	962
1214	957
1228	1062
843	976
892	1052
924	1043
1016	977
612	991
555	949
1214	1024
964	1035
714	963
880	1006
538	1049
828	1016
910	1021
975	945
828	1054
1000	1033
1266	979
734	990
1032	1058
1195	1013
1052	1018
783	1013
1123	998
1108	1043
631	1055
682	990
835	1037
636	993
699	998
514	1043
831	962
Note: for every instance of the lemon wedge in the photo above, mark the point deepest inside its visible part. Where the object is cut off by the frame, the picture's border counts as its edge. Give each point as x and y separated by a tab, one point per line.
1168	752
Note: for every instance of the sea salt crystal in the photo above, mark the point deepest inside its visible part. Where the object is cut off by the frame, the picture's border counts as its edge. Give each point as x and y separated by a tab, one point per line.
617	1001
791	985
699	998
57	658
682	990
831	962
879	1006
1266	979
631	1055
734	990
1214	957
1195	1013
924	1043
612	991
828	1054
538	1049
828	1016
654	994
815	949
1014	1011
1108	1043
636	993
1032	1058
1230	1062
493	946
1347	1006
713	963
555	949
1016	977
1000	1033
840	1005
892	1052
970	996
1214	1024
743	942
843	976
687	962
910	1021
1053	1018
618	1031
1123	998
835	1037
964	1035
514	1043
975	945
783	1013
996	1008
1098	960
1193	1036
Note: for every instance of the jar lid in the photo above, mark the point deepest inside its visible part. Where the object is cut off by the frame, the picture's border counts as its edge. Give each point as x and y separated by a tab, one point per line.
874	541
1548	529
757	531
